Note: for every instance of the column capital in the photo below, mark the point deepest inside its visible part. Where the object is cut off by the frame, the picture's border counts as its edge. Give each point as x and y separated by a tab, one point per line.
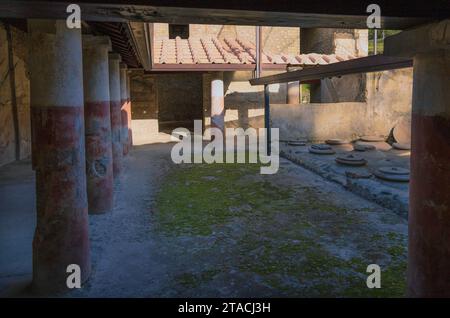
423	39
115	56
93	41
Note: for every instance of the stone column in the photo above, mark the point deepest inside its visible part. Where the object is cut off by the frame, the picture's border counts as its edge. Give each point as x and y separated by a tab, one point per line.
293	92
130	131
217	102
429	206
56	84
115	103
124	105
97	117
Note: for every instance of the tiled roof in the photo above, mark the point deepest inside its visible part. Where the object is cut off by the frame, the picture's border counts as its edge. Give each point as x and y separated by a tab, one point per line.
230	51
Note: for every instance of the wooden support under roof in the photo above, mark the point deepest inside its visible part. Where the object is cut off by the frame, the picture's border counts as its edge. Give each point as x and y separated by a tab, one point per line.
398	14
373	63
122	40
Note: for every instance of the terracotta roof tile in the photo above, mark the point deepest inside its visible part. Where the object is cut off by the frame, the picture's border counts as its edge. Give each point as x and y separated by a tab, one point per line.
230	51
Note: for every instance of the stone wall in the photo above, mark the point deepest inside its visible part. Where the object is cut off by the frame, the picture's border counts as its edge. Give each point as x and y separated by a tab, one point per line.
179	97
349	88
22	92
388	100
319	121
162	102
144	107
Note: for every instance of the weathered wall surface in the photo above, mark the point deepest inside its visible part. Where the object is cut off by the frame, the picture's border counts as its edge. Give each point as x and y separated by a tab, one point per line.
162	102
319	121
274	39
144	107
349	88
389	97
330	41
179	97
22	91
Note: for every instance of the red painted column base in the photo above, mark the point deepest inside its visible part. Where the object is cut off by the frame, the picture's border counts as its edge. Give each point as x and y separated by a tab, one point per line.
61	236
117	147
429	217
99	157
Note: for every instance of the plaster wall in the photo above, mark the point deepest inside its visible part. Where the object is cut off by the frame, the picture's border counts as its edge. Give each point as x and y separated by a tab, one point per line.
389	95
22	90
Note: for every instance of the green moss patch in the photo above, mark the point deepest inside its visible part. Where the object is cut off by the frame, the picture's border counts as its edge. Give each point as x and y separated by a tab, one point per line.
292	239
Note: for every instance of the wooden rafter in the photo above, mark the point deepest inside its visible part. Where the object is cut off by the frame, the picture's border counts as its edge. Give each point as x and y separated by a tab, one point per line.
373	63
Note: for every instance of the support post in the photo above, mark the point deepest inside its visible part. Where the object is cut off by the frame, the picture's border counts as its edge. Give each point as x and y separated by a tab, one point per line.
12	83
375	41
267	117
56	82
217	102
130	131
97	115
429	206
115	105
258	69
293	92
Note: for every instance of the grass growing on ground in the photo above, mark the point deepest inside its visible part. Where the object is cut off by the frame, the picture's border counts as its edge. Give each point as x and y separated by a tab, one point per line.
290	238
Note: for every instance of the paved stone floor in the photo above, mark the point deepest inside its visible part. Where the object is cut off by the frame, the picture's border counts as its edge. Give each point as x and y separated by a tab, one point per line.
222	230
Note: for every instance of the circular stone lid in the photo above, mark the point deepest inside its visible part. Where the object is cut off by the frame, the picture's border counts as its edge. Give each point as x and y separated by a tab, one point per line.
363	147
351	159
394	170
371	138
400	146
336	142
296	143
392	177
318	151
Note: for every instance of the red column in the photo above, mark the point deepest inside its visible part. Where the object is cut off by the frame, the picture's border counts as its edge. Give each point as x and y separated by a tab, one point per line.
429	212
429	218
56	82
115	102
99	161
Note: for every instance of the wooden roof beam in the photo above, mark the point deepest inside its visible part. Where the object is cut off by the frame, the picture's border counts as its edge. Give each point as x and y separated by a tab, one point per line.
373	63
399	14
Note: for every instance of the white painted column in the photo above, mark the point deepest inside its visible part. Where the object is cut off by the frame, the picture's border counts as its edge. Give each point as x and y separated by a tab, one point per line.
97	115
217	101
